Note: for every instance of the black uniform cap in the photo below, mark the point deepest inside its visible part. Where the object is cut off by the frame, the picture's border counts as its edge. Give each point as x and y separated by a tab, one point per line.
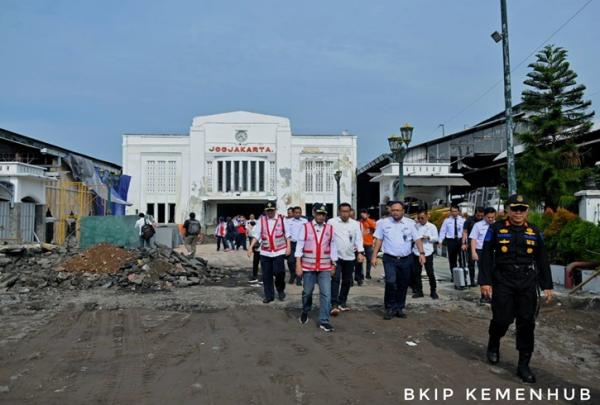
271	206
320	208
517	200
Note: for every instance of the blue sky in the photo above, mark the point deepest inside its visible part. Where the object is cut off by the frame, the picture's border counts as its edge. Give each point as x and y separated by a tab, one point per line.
80	73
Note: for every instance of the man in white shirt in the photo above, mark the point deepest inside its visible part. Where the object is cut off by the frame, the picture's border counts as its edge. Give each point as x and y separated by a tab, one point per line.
348	241
139	225
428	234
293	227
396	235
269	231
451	233
477	237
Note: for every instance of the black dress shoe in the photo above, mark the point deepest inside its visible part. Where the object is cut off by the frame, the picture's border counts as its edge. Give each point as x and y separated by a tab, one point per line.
418	295
388	315
267	300
526	375
298	282
523	369
291	281
493	350
400	314
281	296
368	277
493	356
434	295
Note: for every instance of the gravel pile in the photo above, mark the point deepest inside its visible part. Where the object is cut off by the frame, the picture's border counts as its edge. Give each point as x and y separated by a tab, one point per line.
25	269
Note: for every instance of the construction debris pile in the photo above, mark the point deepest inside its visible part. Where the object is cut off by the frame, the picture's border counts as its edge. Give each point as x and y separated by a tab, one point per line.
25	269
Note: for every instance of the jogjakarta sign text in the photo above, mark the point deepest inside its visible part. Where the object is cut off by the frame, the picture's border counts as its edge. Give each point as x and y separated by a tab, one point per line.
240	149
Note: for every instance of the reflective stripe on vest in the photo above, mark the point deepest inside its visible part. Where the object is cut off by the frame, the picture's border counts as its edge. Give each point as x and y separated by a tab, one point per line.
272	241
316	255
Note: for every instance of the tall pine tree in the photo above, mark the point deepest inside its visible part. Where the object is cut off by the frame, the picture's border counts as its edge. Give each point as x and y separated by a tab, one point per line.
549	171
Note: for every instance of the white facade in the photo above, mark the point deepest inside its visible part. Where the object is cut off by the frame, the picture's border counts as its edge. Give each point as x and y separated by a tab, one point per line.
589	205
27	182
234	162
424	181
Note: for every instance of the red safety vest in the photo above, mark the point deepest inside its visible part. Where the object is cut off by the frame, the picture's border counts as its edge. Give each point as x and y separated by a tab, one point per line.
316	255
272	241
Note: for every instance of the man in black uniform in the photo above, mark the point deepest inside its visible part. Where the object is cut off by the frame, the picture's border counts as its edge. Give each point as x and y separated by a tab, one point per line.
513	263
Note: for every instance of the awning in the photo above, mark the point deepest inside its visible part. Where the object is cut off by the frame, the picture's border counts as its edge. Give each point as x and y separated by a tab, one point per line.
518	150
434	181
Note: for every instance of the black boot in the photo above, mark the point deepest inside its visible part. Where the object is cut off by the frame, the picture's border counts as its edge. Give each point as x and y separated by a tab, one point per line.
493	350
523	369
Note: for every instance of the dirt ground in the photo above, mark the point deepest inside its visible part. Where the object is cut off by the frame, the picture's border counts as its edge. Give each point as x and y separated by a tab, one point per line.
221	345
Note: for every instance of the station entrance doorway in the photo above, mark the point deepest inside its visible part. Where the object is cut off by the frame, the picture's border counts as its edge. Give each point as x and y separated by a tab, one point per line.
240	208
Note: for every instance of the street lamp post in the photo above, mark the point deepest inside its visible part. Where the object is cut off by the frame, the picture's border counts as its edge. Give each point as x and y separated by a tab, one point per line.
399	147
338	176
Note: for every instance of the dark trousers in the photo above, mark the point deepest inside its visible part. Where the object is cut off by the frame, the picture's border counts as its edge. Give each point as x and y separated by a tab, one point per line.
358	270
240	241
397	278
339	290
291	262
368	256
514	297
230	240
453	246
255	263
272	267
219	240
471	263
418	269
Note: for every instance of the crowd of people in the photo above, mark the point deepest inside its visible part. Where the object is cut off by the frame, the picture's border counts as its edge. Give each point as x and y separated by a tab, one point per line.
333	254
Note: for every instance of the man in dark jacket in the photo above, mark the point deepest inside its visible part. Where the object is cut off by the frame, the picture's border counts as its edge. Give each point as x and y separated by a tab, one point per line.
192	233
514	263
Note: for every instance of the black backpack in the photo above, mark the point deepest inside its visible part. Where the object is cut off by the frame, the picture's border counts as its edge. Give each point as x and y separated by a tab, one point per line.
193	227
148	230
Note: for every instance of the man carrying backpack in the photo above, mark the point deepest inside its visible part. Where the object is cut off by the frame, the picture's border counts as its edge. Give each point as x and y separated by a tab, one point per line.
145	226
192	233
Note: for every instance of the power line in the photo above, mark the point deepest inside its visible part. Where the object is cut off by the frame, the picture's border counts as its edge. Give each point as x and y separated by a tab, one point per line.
486	92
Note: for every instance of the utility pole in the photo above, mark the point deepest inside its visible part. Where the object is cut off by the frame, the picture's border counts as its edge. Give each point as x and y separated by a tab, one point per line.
510	151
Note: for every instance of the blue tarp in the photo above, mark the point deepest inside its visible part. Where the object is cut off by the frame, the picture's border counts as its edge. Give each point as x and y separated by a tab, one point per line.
119	192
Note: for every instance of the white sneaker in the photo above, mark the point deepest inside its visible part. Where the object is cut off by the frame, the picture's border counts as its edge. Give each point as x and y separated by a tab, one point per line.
326	327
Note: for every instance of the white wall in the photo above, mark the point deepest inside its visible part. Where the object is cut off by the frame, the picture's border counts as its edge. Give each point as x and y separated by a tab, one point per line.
29	187
139	148
193	151
339	149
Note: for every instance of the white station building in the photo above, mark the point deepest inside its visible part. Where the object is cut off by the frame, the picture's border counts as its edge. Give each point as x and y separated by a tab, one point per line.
233	163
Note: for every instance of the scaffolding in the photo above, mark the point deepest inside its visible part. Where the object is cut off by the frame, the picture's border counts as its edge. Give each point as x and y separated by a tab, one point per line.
68	202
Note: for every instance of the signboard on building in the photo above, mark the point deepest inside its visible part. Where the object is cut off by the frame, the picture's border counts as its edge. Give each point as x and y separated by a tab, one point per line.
241	149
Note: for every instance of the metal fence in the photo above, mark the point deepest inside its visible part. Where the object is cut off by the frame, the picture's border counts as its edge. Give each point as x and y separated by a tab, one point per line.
4	220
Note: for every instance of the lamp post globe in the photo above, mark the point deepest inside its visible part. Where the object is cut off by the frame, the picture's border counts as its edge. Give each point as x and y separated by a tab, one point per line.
399	147
338	176
406	133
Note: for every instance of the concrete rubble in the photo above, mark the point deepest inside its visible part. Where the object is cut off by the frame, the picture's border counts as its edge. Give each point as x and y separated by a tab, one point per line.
37	267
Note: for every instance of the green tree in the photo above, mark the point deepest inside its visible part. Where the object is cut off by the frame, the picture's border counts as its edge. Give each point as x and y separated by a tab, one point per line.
549	170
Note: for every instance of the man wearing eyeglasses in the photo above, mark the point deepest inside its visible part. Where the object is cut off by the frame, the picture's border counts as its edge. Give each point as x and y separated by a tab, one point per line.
514	263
